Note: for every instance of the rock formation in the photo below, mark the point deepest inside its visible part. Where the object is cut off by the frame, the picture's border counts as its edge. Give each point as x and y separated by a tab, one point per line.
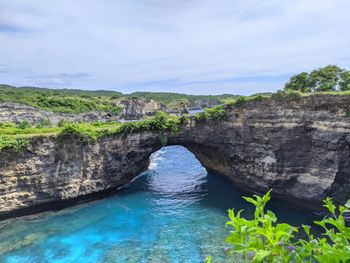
14	112
133	109
136	108
300	148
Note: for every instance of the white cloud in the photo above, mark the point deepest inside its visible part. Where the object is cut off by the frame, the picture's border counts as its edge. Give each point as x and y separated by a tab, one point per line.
124	44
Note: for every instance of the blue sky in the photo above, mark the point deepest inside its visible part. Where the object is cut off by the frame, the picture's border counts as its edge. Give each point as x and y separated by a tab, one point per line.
189	46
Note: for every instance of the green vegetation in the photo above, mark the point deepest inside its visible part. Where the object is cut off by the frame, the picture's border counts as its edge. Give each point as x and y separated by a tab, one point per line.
79	101
262	239
161	122
329	78
18	145
65	101
173	99
215	113
13	136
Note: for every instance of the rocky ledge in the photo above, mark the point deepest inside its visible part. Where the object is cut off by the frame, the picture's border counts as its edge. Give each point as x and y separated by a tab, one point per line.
300	148
14	112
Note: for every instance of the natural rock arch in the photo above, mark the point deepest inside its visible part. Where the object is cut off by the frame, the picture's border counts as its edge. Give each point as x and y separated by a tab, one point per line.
298	148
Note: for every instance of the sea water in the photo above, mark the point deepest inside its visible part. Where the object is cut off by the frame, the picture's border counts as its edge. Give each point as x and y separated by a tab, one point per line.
173	212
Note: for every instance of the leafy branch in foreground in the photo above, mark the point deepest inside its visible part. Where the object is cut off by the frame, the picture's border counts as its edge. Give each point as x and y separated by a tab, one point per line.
262	239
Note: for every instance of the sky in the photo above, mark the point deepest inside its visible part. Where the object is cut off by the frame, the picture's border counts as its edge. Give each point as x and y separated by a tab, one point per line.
188	46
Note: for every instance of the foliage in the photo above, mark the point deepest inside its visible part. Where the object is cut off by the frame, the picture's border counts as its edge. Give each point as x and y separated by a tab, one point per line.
170	99
287	95
80	101
262	239
240	100
184	119
87	132
161	122
215	113
328	78
18	145
24	124
44	124
244	99
61	123
65	101
79	133
300	82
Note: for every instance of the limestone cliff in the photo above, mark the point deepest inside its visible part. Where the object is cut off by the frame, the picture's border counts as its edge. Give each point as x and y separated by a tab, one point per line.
133	109
136	108
14	112
300	148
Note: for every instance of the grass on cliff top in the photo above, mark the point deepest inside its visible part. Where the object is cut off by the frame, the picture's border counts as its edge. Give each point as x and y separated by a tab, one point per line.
14	136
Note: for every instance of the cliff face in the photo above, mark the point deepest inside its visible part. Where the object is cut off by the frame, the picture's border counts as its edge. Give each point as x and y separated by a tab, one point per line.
135	108
299	148
13	112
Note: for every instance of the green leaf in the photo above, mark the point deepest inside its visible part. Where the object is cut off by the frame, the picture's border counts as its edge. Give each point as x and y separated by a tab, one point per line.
261	255
347	204
271	216
267	196
250	200
306	229
329	205
231	214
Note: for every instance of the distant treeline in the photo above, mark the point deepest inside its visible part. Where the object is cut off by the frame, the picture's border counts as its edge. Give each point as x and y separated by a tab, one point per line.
79	101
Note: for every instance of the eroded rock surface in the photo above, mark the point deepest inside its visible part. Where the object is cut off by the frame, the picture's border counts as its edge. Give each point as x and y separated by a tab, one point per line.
14	112
300	148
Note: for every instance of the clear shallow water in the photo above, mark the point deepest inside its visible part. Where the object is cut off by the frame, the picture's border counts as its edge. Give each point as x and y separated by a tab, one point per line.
174	212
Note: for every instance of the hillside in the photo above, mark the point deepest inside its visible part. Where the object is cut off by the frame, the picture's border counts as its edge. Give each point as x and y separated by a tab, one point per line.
80	101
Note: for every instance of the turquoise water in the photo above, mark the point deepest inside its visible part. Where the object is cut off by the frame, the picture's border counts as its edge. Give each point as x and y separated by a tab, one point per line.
174	212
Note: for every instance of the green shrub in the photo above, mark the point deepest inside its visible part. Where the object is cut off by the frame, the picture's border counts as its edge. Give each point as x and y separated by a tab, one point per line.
61	123
24	124
240	100
44	124
161	122
18	145
78	133
287	95
262	239
201	116
116	110
215	113
184	119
